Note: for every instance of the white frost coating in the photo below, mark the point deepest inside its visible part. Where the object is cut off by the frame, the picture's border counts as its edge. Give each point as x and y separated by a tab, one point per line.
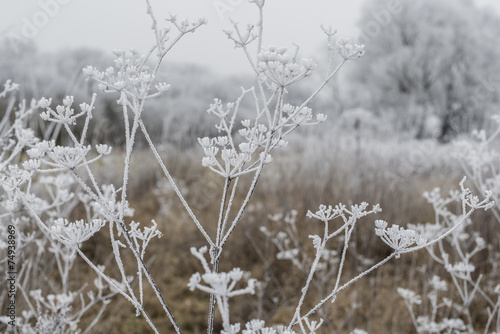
45	186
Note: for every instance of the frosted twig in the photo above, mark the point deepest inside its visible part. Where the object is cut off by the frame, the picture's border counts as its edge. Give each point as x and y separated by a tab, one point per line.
174	186
345	285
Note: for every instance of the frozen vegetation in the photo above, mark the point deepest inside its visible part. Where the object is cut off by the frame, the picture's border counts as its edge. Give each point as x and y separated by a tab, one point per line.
80	238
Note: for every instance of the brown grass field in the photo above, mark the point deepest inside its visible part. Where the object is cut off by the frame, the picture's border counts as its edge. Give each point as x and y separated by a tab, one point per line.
300	180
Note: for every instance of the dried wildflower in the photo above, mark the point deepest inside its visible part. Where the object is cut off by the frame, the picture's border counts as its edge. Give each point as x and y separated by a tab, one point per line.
438	284
397	238
103	149
349	51
31	165
74	234
281	68
68	158
409	296
13	178
461	269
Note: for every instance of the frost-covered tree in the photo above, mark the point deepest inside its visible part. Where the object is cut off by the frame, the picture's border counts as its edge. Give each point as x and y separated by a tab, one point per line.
429	59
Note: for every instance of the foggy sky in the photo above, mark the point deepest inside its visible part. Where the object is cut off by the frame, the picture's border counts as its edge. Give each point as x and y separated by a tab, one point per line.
109	24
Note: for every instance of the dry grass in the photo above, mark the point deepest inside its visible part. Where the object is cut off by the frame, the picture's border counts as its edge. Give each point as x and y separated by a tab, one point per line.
301	180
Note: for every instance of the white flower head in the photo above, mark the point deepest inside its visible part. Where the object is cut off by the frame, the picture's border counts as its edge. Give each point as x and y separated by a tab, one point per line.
103	149
321	117
13	178
253	326
44	103
461	268
280	68
438	284
288	254
397	237
162	87
208	161
26	137
205	142
410	296
349	51
309	64
35	153
31	164
267	159
110	71
68	101
45	146
73	234
69	157
194	281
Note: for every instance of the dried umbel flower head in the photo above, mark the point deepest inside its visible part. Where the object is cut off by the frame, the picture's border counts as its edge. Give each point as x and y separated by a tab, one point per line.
281	68
398	238
349	51
73	234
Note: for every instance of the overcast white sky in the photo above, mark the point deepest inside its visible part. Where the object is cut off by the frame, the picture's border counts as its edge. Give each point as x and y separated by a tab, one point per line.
109	24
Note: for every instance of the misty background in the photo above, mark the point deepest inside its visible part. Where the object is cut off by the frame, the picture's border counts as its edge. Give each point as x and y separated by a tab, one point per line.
429	71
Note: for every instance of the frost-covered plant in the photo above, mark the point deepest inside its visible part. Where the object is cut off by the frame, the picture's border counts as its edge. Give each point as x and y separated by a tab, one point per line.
480	160
245	150
431	323
220	285
324	269
24	202
456	251
14	135
238	151
328	269
241	150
